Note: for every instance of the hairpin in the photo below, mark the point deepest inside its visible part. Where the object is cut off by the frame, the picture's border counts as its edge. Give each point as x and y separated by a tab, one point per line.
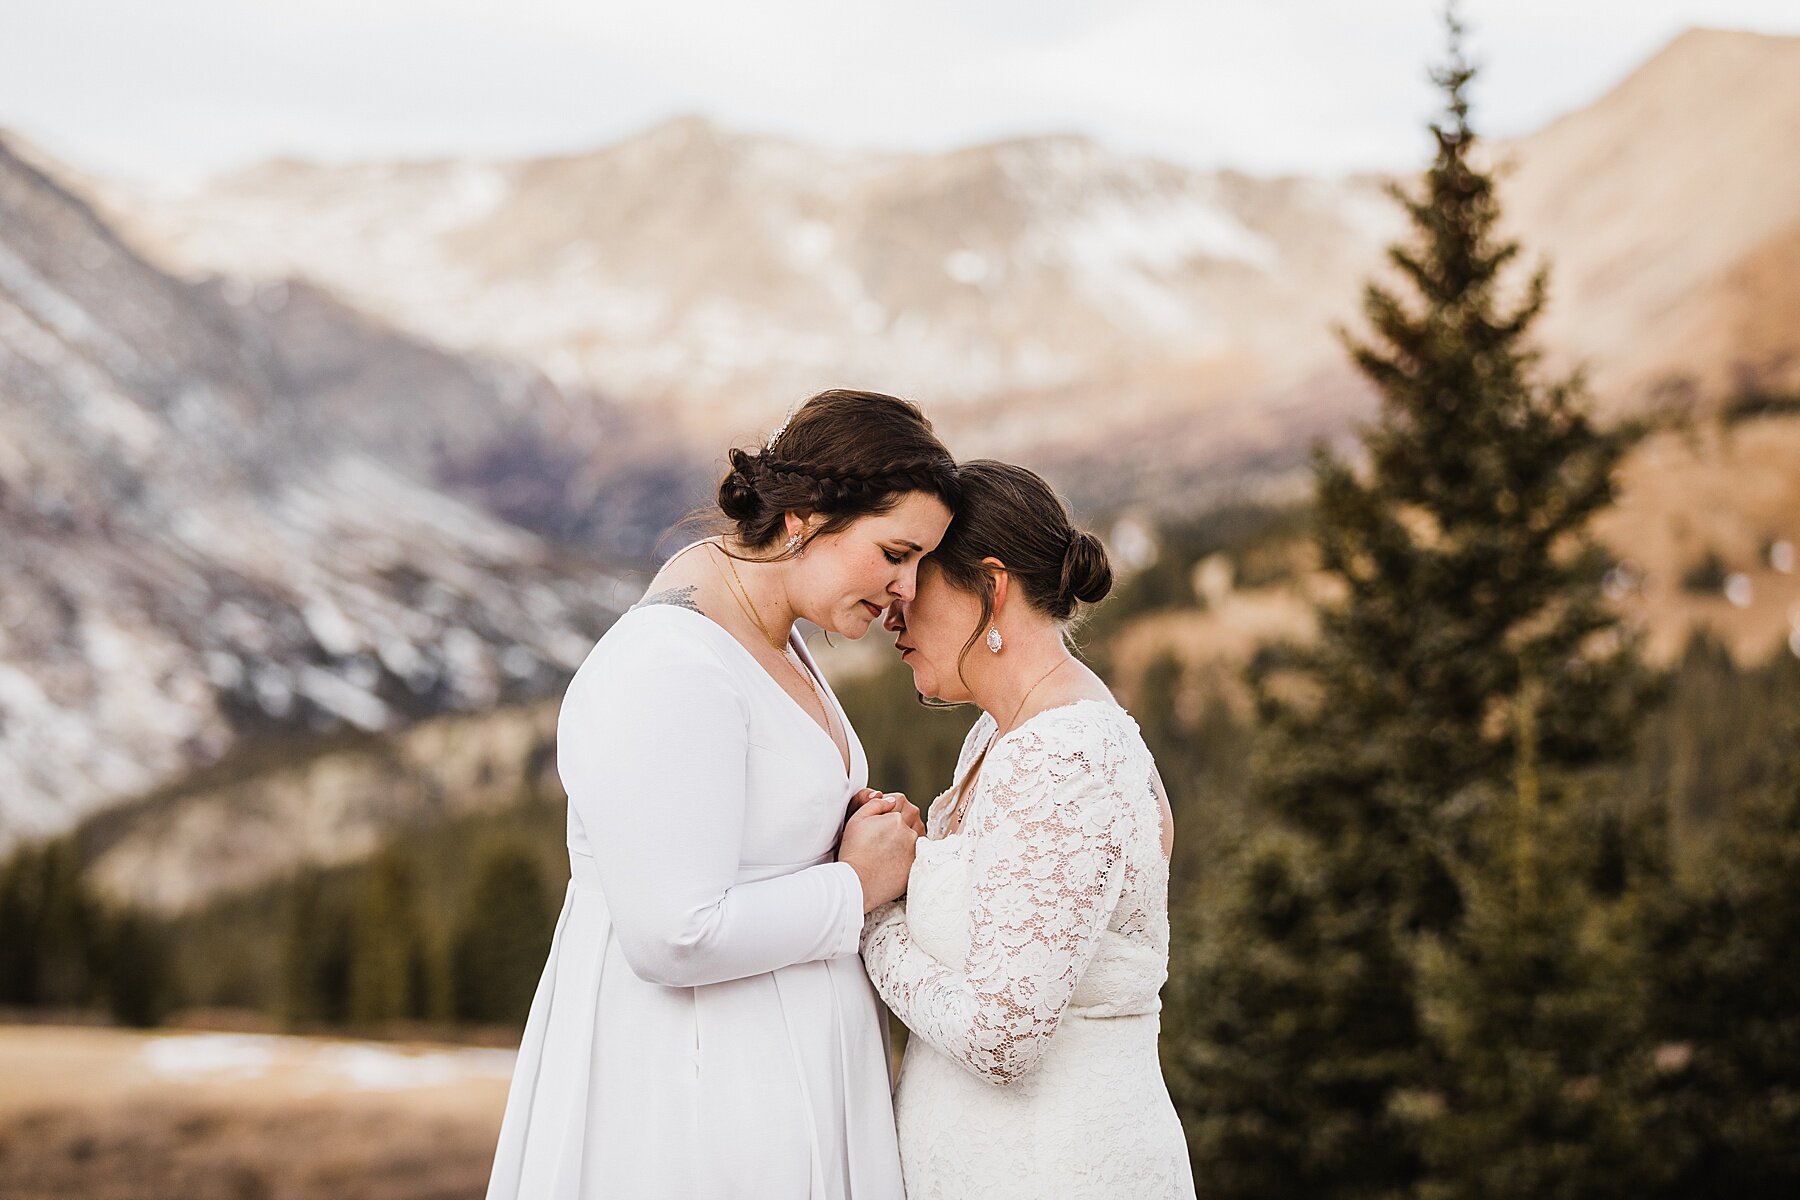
779	429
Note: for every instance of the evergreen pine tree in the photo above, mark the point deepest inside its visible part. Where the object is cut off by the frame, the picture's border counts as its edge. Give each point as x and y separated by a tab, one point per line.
135	969
501	938
388	968
1727	1011
315	958
67	929
910	748
1279	1019
1465	571
18	928
1536	1008
60	948
1169	737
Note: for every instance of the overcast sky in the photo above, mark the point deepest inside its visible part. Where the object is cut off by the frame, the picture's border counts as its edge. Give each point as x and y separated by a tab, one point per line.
170	89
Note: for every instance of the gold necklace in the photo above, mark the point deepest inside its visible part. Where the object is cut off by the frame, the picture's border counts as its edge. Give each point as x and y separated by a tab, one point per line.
962	798
742	596
744	600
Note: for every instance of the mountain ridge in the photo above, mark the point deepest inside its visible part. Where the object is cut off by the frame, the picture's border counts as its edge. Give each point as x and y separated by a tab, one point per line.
201	540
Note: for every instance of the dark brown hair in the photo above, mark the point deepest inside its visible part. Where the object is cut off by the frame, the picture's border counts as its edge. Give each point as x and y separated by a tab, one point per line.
1010	513
843	455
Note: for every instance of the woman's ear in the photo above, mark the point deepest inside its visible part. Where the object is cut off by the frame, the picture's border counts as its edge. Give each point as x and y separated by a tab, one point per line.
797	526
997	570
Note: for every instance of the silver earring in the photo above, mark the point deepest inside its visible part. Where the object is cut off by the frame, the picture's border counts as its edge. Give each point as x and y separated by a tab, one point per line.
793	544
994	641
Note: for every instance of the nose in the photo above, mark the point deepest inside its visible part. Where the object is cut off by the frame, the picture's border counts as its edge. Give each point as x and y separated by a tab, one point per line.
906	586
895	621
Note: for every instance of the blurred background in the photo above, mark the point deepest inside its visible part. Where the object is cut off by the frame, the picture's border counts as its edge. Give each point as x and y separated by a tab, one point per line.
356	359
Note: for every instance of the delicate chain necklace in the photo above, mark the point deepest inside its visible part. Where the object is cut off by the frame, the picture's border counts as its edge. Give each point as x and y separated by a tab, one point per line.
742	596
743	599
968	789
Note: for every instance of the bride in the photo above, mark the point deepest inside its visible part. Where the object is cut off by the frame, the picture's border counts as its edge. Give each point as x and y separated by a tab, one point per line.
703	1027
1029	952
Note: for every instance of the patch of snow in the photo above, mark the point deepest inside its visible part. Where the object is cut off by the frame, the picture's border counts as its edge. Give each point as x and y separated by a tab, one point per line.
810	240
211	1055
378	1069
966	266
342	698
518	662
226	671
330	627
344	1065
1163	233
274	688
470	191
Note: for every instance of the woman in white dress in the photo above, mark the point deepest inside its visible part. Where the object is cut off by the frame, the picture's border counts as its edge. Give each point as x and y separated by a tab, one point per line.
703	1027
1028	956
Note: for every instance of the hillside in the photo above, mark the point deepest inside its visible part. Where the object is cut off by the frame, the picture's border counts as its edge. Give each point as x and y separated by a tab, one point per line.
207	535
1022	287
1669	211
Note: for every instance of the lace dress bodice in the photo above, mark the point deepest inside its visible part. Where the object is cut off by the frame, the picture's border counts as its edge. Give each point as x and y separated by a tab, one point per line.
1030	953
1066	905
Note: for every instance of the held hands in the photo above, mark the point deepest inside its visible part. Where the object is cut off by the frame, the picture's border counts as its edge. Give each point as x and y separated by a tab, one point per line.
878	841
895	802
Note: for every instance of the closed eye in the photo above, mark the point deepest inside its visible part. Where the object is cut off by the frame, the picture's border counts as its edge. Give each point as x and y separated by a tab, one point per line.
896	559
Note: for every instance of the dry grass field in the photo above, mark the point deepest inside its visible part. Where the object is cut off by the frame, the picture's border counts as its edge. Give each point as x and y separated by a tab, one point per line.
108	1114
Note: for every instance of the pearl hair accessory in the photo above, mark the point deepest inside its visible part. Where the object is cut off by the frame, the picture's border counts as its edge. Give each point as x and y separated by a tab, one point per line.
994	641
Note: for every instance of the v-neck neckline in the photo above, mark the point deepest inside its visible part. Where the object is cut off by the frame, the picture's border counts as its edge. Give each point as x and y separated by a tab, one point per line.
850	745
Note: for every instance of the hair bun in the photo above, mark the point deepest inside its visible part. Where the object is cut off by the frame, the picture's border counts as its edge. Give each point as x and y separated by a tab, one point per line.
739	498
1086	575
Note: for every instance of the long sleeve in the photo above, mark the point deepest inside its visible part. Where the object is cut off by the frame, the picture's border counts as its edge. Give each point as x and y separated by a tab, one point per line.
652	750
1048	868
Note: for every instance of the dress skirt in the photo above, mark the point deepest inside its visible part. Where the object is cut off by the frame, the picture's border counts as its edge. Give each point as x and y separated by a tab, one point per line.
767	1087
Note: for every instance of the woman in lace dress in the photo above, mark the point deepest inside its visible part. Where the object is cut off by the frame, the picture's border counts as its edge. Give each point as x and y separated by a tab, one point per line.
703	1028
1029	952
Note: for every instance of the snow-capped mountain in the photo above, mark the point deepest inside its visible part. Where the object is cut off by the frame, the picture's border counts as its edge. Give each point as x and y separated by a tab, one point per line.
723	274
326	488
1035	294
211	526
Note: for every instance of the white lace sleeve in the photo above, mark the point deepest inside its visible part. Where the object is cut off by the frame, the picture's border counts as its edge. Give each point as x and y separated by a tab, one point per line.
1050	833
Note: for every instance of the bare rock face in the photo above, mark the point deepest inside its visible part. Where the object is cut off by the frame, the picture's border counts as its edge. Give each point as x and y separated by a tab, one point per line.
209	528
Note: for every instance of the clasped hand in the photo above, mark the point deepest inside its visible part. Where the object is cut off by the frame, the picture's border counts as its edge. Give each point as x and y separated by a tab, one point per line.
878	842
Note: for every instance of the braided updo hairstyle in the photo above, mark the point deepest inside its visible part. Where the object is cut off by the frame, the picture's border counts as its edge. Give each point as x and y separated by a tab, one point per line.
1010	513
842	455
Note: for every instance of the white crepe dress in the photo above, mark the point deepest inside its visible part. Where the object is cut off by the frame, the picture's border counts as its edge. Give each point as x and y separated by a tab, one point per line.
703	1027
1027	960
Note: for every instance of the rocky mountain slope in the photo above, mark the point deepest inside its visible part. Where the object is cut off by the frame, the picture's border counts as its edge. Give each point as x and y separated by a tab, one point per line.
211	527
1045	296
1669	211
723	275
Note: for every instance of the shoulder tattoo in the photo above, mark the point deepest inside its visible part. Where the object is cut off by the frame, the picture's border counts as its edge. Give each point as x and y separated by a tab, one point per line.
680	597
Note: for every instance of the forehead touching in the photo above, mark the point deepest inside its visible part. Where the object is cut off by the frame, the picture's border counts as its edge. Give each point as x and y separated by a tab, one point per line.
917	522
